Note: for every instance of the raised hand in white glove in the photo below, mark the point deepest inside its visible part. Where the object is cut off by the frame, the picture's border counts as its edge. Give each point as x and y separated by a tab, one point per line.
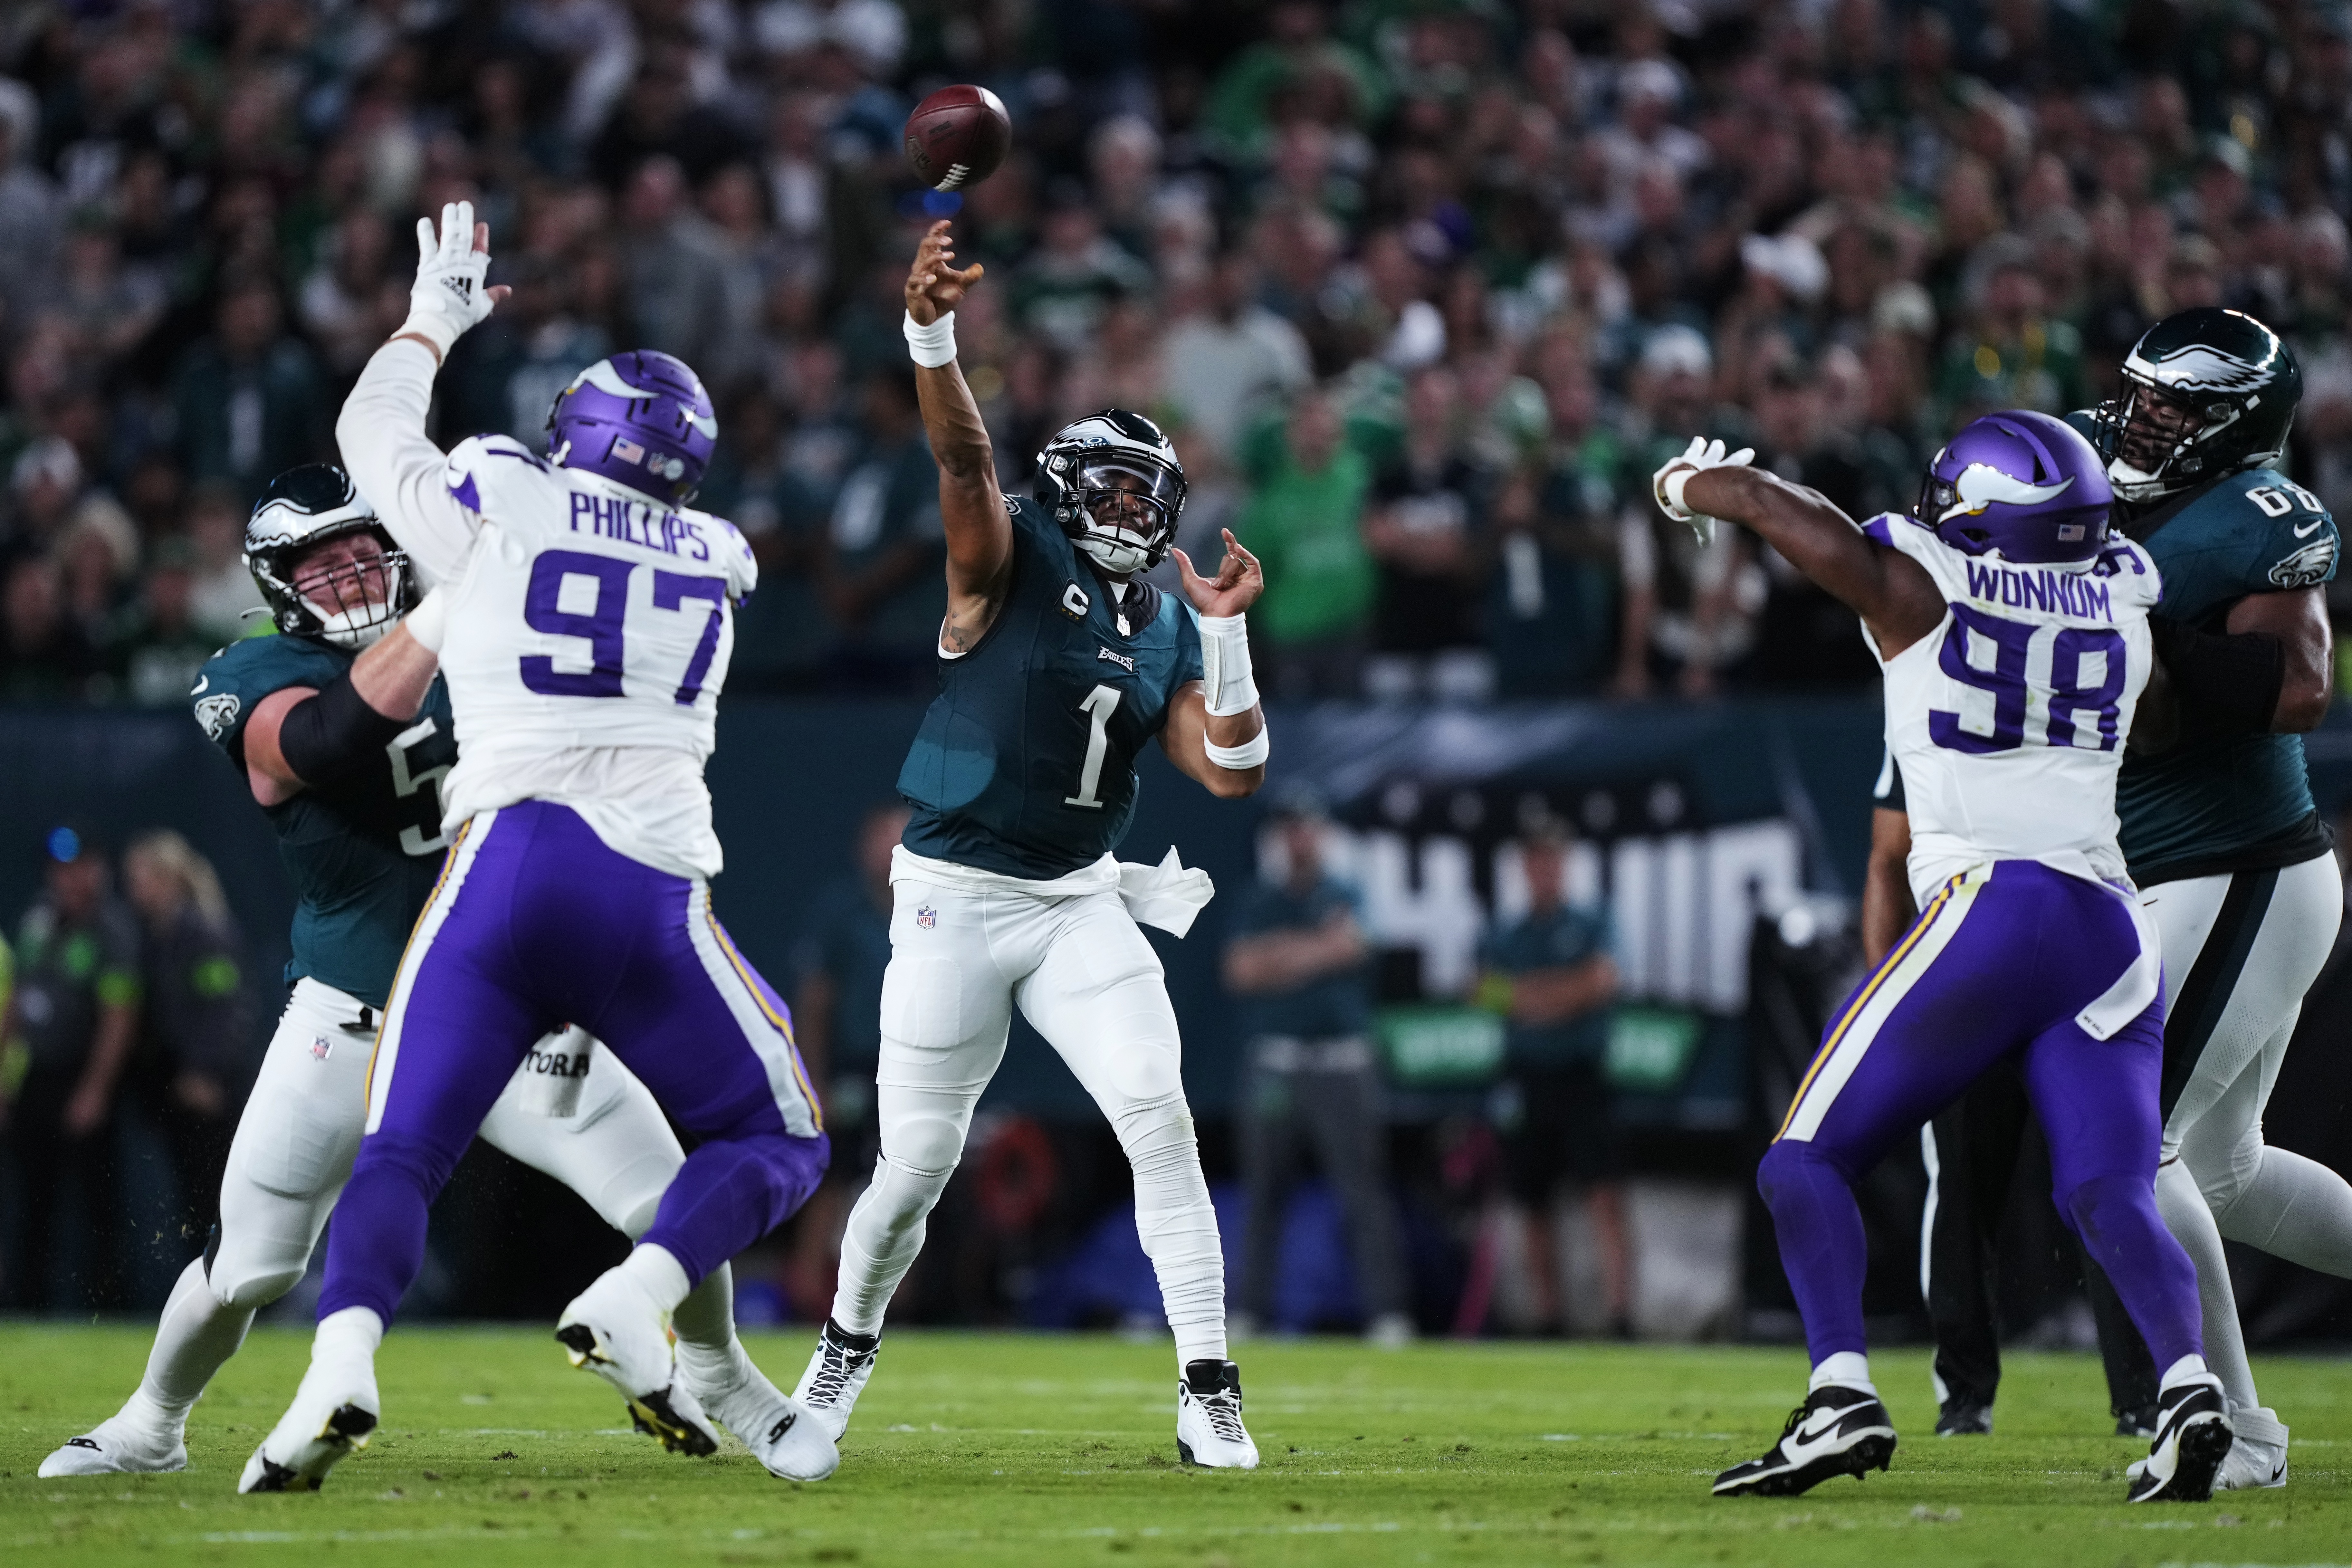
449	295
1669	482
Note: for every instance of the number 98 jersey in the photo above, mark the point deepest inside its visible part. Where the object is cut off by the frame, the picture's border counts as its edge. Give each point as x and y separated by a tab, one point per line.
2009	719
589	635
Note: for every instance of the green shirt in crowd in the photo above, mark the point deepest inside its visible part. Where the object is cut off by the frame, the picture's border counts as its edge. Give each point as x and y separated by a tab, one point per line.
1307	531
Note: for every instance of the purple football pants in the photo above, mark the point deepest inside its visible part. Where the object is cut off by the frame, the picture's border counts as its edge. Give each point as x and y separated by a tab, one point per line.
2001	962
536	924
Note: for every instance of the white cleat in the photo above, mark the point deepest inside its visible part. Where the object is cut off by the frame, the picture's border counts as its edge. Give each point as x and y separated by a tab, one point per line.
836	1375
617	1330
333	1415
1209	1430
791	1443
2257	1458
117	1446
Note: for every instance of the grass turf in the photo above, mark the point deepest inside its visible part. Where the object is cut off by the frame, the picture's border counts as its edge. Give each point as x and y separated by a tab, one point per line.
976	1448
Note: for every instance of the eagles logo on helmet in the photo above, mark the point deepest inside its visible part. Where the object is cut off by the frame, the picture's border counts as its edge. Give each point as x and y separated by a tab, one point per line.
2206	391
303	508
1113	482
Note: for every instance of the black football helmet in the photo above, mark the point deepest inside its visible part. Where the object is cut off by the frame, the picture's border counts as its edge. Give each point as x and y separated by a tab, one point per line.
1113	482
308	506
2206	391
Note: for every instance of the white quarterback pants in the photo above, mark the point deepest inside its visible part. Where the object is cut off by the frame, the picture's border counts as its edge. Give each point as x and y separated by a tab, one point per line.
572	1110
2239	950
966	948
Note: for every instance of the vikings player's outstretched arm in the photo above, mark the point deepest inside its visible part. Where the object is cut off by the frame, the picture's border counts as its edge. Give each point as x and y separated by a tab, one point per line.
382	427
972	506
1893	594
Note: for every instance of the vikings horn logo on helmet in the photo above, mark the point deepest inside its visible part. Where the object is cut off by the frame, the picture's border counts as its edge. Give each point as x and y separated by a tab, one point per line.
1980	485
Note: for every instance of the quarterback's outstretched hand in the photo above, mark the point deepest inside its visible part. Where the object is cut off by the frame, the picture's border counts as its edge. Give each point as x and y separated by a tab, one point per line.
449	295
1668	482
1236	587
933	287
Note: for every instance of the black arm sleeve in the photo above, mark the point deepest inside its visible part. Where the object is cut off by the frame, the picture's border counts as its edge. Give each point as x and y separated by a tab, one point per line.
326	736
2227	684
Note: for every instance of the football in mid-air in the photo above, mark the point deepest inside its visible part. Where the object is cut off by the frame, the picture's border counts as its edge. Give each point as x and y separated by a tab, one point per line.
957	136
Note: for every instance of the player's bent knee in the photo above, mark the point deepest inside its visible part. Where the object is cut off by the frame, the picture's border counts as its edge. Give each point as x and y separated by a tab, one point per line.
251	1291
1148	1074
923	1146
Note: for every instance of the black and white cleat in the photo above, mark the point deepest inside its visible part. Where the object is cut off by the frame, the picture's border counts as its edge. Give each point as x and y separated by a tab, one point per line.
2192	1439
1835	1432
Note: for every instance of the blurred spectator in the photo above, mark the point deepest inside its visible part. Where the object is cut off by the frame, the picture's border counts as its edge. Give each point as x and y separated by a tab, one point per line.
1423	528
1227	361
882	561
249	398
46	657
1069	283
505	375
163	650
196	1056
1805	637
1303	523
220	593
1551	976
1296	958
76	1012
675	280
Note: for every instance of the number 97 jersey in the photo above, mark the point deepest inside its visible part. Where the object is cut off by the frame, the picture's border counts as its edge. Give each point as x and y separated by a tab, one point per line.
2009	718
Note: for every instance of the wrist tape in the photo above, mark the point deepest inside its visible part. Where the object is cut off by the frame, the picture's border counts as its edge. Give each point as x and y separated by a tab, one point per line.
1671	494
1226	677
1249	754
934	345
435	328
325	735
428	623
2227	684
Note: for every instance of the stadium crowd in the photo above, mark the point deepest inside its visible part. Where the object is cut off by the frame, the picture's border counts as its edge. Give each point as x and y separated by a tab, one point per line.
1423	289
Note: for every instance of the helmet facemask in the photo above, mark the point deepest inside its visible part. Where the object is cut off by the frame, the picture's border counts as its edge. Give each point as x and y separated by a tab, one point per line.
1129	510
2152	435
355	600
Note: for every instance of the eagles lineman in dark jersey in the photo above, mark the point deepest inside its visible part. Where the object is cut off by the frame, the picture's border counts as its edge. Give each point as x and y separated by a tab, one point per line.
341	726
1057	664
2219	828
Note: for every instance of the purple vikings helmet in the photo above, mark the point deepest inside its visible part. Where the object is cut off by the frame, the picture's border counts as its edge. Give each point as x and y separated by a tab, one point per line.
639	419
2022	486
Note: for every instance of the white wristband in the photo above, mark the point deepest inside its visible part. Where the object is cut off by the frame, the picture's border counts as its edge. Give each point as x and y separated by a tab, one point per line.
934	345
433	327
1249	754
1226	677
1671	494
428	623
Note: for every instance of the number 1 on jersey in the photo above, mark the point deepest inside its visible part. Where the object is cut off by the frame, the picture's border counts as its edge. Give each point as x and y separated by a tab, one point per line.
1099	705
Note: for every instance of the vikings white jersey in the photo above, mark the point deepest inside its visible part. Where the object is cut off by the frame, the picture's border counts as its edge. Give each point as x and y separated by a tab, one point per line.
2009	719
589	626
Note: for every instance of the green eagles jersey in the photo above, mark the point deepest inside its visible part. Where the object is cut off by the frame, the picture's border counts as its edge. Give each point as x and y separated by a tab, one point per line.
365	849
1026	762
2241	804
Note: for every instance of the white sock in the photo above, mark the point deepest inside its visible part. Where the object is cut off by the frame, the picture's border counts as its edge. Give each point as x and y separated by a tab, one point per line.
194	1337
2191	1224
707	1346
1844	1369
1178	1226
660	1275
2188	1369
353	1334
2295	1209
885	1230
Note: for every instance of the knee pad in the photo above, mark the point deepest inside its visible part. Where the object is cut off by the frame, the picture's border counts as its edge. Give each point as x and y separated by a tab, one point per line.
1781	1162
923	1146
250	1278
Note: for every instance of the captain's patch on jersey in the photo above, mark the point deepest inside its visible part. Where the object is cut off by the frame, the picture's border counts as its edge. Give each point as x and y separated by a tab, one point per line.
2310	564
216	713
1075	603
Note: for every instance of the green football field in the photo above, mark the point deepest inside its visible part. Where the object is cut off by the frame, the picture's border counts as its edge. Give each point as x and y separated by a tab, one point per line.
990	1448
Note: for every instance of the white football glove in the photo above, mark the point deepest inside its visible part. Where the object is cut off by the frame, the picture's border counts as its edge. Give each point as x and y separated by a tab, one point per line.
1669	482
449	295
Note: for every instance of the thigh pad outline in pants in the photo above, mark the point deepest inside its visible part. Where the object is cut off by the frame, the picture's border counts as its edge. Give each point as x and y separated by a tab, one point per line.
946	1013
1101	998
2239	950
293	1148
613	1147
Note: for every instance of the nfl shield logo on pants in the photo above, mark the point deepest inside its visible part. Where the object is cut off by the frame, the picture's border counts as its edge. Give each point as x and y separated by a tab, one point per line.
926	917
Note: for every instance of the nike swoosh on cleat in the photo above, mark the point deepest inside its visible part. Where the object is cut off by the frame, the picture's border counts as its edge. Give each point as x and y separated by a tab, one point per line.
92	1446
